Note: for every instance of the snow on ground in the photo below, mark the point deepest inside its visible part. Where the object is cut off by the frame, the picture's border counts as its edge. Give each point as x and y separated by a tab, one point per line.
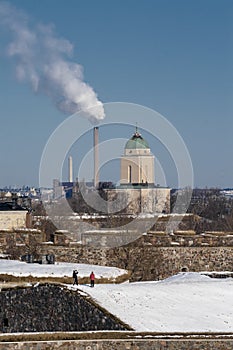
187	302
18	268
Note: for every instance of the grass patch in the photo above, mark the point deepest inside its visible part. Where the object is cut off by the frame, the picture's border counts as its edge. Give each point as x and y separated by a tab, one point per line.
5	278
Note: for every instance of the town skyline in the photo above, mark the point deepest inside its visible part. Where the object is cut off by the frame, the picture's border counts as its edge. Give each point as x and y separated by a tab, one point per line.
172	57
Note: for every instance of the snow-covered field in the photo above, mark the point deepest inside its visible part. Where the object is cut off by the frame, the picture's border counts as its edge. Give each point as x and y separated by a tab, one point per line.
20	269
187	302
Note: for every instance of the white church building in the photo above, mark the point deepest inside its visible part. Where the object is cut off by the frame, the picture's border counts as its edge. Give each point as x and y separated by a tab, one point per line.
137	192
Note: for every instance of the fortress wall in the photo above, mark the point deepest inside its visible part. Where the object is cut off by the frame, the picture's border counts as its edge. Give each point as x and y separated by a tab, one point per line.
17	241
150	263
153	344
50	308
154	256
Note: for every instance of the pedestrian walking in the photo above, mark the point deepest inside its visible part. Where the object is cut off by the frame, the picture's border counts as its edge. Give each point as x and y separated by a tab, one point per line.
75	277
92	278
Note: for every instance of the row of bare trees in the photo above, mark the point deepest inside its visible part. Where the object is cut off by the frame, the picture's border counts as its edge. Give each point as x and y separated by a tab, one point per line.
215	209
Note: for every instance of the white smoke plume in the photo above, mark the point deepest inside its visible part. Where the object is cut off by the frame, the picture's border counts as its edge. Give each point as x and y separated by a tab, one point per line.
44	60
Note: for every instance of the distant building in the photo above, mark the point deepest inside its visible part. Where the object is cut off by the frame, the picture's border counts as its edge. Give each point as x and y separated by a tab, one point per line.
137	192
137	163
58	190
12	216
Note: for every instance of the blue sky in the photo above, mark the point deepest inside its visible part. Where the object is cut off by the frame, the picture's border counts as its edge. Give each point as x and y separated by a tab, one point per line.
174	56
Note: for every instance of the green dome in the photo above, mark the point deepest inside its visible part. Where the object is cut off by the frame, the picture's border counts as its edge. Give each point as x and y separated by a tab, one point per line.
136	141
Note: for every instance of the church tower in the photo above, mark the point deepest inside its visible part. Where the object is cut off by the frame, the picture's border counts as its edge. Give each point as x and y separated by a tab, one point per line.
137	163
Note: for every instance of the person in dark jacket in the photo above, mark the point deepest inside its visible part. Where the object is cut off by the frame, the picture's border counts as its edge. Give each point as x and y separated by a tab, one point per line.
92	278
75	277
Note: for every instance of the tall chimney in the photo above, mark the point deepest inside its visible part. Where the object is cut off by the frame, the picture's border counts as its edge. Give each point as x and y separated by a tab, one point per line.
70	169
96	156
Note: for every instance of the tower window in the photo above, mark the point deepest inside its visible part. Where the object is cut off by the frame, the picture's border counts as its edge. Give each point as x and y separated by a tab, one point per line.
129	173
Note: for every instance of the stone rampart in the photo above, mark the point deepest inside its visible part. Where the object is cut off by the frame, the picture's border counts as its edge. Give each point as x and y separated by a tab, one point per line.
49	308
154	344
155	255
158	255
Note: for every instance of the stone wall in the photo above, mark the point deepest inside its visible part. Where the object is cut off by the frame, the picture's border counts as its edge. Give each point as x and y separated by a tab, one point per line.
152	263
20	236
49	308
123	345
17	242
157	255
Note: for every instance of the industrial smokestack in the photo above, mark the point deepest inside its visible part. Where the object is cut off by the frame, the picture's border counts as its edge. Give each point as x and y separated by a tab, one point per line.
96	156
70	169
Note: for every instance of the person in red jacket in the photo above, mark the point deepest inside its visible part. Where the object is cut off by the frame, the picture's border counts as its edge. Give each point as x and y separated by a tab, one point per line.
92	278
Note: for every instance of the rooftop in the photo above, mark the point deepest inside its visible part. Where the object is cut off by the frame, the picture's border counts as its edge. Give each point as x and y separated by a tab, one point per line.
137	142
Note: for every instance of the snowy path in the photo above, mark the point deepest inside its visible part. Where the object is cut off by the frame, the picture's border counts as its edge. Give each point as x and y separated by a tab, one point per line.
18	268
